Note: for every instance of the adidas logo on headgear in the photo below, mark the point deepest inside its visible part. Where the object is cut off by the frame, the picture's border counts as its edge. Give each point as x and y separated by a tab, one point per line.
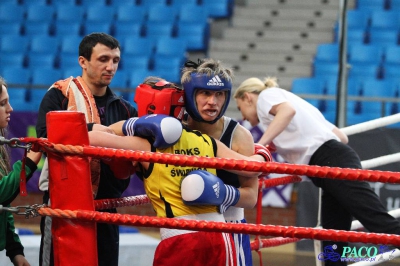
215	81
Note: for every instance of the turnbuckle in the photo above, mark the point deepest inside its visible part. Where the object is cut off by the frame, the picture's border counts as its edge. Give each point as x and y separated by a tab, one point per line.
27	210
14	143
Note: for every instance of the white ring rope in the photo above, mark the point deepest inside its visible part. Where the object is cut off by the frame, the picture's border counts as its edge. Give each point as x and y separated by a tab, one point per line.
372	124
355	225
369	125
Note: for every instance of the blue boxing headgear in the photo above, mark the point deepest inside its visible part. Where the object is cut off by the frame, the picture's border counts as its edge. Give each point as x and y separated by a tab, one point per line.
205	82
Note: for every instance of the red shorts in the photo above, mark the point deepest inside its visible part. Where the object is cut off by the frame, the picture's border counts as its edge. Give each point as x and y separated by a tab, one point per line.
196	249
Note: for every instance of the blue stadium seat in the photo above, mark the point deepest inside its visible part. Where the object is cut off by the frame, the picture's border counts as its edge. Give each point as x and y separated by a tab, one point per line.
67	60
383	37
180	3
378	88
383	19
98	26
10	27
62	28
357	36
170	74
313	85
162	13
44	44
392	55
86	3
35	98
391	71
394	5
370	5
138	45
14	43
219	9
120	80
325	69
36	28
45	76
16	75
149	3
365	70
157	29
71	13
28	3
40	60
57	3
131	62
364	53
15	59
172	64
72	71
359	19
11	12
100	13
193	13
18	98
124	3
131	13
137	76
354	86
171	46
40	12
327	52
70	44
196	35
124	29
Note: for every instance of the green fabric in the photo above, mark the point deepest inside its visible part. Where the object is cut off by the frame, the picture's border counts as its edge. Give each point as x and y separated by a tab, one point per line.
8	186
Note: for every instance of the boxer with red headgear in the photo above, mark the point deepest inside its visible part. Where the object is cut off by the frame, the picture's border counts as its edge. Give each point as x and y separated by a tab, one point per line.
158	96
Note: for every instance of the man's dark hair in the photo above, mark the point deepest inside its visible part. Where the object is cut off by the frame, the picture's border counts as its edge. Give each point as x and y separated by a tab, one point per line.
90	41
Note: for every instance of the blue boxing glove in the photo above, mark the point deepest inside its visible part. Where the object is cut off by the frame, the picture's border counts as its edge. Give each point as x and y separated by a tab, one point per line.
165	130
200	187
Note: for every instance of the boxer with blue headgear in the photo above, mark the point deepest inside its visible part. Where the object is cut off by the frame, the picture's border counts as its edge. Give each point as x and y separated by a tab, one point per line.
207	86
205	79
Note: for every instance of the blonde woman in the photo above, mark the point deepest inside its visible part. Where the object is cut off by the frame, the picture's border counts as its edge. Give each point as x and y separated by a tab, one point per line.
302	135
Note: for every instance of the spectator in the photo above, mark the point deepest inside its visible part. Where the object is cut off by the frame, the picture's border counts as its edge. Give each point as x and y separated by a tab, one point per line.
99	56
9	184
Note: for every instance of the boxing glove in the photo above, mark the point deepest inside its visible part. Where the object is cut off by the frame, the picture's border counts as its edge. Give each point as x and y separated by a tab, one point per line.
165	130
263	151
203	188
122	169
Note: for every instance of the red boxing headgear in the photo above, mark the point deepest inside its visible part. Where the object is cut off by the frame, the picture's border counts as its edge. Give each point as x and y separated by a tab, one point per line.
161	98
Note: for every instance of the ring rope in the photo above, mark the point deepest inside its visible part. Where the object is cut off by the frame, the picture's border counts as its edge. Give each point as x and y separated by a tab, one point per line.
143	199
222	163
266	230
372	124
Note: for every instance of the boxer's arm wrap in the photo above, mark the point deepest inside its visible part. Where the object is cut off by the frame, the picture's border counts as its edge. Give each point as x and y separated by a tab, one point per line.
263	151
203	188
165	130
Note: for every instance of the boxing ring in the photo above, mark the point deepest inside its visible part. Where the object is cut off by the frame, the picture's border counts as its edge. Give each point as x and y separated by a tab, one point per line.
75	213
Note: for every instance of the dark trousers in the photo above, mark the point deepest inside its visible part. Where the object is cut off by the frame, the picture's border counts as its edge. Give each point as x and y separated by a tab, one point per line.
342	200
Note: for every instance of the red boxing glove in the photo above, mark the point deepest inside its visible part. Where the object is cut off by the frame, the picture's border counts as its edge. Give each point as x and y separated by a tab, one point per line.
263	151
271	147
122	169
